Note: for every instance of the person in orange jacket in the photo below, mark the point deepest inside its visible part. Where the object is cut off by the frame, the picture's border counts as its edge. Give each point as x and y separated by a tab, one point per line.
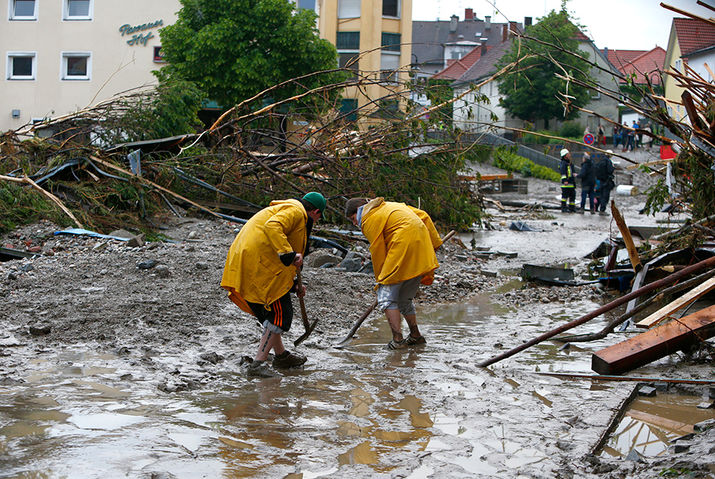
403	240
260	267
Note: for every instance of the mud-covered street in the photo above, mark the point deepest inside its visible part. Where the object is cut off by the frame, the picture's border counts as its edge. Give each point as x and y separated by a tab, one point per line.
119	361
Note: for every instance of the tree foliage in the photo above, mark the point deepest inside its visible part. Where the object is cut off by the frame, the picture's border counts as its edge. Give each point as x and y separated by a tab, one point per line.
234	49
533	91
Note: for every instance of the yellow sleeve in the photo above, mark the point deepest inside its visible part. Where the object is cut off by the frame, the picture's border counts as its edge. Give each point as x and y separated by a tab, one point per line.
279	226
433	233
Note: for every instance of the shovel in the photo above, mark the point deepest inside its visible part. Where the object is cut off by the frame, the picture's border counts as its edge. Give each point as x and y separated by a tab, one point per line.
308	327
357	324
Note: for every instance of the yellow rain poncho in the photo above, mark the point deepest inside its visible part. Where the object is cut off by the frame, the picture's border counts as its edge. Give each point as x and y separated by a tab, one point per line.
402	241
253	271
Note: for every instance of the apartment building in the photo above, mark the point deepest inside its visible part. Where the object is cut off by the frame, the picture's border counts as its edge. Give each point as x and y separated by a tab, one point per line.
373	38
65	55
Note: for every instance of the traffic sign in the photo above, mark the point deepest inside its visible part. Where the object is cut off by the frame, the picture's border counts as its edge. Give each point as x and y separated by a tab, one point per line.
588	139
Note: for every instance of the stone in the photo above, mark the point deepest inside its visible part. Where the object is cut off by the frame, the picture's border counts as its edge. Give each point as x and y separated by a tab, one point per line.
122	234
634	456
136	241
351	263
706	404
40	329
318	260
148	264
647	391
162	271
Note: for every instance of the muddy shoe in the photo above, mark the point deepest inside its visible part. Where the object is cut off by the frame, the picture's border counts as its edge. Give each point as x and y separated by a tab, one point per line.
259	369
410	341
396	344
288	360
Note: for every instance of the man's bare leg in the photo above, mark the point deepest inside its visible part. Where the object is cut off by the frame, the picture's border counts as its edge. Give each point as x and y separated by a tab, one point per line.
412	323
269	340
394	319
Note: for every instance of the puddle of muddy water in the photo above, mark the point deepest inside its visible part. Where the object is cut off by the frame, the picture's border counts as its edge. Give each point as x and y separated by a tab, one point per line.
362	409
651	424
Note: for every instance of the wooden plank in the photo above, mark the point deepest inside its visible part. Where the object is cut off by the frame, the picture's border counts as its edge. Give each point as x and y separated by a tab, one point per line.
679	303
655	343
627	238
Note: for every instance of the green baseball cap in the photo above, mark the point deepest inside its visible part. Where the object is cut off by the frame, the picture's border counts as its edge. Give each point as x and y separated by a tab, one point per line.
317	200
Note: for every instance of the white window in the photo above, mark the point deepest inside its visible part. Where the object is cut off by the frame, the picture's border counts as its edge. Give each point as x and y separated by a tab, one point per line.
389	66
348	8
78	9
76	65
679	65
21	65
23	10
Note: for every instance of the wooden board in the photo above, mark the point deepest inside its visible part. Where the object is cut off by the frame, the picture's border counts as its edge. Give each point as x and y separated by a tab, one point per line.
655	343
679	303
627	238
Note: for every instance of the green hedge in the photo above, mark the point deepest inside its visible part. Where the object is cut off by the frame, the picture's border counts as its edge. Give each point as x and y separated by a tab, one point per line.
505	157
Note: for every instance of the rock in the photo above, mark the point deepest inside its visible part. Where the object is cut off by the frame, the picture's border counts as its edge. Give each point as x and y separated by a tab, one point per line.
162	271
40	329
212	357
634	456
136	241
317	260
148	264
202	266
647	391
704	425
352	262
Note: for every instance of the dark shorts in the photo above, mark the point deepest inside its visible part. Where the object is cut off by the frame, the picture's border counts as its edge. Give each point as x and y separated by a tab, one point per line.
279	314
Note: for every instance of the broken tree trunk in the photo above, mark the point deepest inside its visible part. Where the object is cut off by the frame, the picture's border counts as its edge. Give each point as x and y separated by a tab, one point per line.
627	238
678	304
655	343
708	263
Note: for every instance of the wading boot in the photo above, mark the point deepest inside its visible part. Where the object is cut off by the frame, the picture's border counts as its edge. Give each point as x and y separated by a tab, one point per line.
287	360
259	369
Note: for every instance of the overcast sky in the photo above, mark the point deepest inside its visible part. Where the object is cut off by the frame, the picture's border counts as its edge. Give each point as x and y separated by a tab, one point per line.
616	24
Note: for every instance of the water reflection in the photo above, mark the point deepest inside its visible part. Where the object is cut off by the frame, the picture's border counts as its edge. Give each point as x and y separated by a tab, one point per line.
652	423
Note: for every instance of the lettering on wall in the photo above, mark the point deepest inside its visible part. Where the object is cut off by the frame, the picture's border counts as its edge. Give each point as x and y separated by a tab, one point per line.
139	34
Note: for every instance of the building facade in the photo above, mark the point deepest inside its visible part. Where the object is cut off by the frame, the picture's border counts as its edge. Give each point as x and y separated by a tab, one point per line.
373	38
62	56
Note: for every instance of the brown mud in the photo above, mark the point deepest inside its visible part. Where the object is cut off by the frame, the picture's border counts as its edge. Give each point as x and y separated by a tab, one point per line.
111	369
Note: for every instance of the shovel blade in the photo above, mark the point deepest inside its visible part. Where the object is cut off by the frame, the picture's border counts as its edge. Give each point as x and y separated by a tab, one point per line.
305	335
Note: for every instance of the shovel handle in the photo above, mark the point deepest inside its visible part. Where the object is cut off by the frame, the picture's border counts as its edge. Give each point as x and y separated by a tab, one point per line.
303	313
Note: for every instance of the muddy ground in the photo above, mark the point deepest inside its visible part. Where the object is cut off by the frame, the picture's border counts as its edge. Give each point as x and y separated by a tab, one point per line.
120	361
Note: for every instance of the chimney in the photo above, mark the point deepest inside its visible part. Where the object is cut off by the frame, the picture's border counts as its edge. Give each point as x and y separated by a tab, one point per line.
483	47
527	22
512	29
487	22
468	14
453	23
504	30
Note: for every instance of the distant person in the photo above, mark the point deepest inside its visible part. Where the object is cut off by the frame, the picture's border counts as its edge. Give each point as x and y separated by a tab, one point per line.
647	139
403	241
617	135
601	138
630	137
259	272
605	181
568	183
587	175
638	136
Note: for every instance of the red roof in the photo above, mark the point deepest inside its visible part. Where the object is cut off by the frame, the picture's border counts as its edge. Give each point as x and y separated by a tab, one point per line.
693	34
640	62
457	67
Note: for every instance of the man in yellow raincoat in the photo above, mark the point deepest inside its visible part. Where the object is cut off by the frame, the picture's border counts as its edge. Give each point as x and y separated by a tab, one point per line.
403	241
260	268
